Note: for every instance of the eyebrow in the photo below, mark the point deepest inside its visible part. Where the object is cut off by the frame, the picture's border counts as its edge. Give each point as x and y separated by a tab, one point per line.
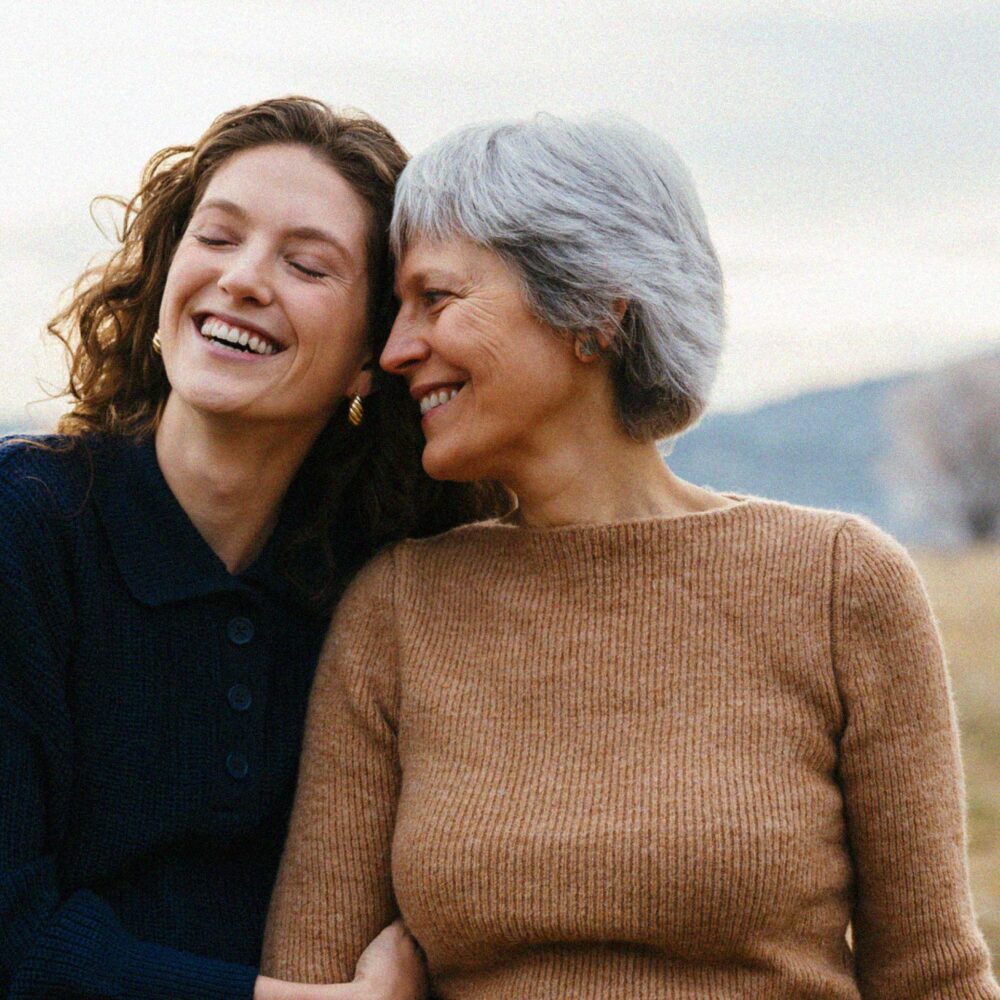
432	275
298	233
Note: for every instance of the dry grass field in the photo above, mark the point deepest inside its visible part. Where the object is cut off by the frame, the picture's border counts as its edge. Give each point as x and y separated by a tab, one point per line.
965	592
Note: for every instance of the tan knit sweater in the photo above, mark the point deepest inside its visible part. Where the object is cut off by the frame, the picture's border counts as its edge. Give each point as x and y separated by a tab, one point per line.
664	758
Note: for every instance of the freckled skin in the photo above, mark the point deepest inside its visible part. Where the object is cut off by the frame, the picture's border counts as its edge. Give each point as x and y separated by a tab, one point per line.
524	393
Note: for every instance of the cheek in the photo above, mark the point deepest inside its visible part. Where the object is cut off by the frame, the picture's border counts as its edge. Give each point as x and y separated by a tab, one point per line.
335	331
464	340
183	278
341	309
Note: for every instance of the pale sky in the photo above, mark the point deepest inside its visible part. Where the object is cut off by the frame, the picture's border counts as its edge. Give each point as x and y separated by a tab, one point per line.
847	153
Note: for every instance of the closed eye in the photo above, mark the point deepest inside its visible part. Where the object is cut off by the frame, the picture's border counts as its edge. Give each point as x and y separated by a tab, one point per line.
307	270
209	242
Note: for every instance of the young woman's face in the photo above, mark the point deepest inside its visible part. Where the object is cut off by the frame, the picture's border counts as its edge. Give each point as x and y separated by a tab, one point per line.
497	387
263	315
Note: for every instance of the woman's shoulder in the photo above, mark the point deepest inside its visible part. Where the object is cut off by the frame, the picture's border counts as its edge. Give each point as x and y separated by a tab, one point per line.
819	528
855	542
409	558
851	545
44	485
459	543
50	474
869	573
873	569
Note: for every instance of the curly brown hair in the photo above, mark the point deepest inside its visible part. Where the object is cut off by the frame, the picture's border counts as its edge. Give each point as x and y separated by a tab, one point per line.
363	486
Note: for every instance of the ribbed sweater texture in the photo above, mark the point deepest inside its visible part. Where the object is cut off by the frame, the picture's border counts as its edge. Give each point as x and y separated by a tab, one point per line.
670	758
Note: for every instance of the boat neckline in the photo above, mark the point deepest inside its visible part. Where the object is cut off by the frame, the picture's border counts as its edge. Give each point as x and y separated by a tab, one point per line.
741	502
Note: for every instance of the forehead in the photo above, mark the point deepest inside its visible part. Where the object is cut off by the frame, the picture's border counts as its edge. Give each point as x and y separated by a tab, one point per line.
457	257
291	186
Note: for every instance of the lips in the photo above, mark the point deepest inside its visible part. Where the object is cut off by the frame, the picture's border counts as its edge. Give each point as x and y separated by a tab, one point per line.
234	335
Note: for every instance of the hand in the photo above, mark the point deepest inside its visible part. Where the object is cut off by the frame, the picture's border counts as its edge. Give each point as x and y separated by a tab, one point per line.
391	967
266	988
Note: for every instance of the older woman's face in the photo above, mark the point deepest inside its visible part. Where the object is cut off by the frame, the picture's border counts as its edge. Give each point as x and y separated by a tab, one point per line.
495	385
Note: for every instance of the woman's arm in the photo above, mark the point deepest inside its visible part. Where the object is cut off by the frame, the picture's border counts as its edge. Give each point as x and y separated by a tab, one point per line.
389	969
915	933
333	892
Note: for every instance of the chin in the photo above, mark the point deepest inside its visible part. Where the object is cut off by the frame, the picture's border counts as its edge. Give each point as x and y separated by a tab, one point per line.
450	468
209	402
217	405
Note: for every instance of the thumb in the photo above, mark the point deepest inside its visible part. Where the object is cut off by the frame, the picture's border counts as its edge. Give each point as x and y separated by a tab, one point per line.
385	951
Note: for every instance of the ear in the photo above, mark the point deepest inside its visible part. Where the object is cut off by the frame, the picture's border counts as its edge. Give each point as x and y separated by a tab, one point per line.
586	348
590	346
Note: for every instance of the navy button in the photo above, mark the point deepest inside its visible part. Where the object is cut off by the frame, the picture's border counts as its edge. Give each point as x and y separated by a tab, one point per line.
237	765
240	630
239	697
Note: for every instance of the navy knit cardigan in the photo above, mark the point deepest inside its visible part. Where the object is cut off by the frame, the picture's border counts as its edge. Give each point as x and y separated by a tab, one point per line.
151	713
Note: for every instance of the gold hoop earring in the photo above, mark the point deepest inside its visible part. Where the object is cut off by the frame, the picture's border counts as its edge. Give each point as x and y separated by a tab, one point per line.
356	411
157	344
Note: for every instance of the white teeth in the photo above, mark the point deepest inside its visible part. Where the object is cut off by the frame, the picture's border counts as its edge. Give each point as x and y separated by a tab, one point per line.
215	329
438	398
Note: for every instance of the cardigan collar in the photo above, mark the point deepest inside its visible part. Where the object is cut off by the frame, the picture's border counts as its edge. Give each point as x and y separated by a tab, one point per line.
157	549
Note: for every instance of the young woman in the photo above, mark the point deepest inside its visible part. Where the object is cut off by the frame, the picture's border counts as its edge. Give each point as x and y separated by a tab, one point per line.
170	559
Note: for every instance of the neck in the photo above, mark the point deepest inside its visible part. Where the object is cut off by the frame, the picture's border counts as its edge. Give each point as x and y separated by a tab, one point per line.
603	476
229	477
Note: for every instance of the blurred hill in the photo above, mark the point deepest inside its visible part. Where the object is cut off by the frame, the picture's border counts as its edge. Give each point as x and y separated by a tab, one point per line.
822	449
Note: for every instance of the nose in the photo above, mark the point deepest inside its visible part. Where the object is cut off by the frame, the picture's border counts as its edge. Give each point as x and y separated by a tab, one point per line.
406	348
245	277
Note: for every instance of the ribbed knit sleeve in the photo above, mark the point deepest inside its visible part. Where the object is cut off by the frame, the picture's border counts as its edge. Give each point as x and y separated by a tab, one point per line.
333	894
52	943
914	930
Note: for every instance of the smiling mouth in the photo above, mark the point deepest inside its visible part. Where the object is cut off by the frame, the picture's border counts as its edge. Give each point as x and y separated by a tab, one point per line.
439	397
236	338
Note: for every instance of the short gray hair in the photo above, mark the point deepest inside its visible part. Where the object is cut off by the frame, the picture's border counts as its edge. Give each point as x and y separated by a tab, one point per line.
588	214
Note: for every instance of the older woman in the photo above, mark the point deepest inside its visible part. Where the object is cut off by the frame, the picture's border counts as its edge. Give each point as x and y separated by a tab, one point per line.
637	738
